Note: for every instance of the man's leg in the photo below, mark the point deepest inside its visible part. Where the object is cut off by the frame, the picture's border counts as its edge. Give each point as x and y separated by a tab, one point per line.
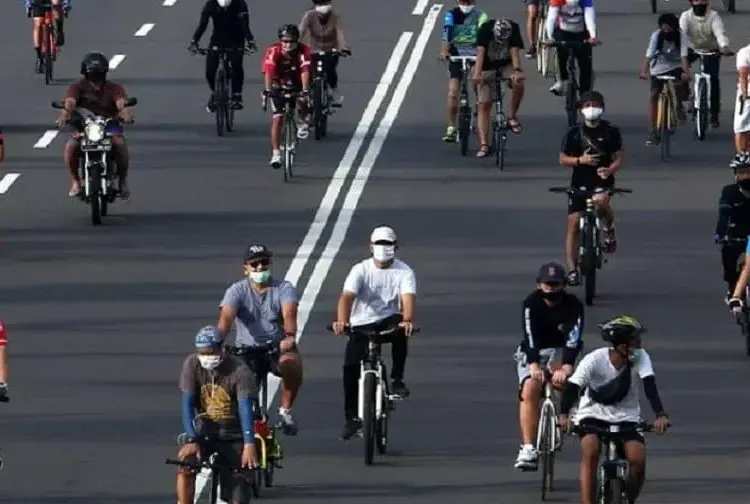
741	125
277	117
238	79
589	462
70	157
57	15
575	209
454	84
356	350
605	212
290	369
635	453
532	13
399	352
528	416
485	98
122	158
212	64
712	67
730	255
563	53
36	35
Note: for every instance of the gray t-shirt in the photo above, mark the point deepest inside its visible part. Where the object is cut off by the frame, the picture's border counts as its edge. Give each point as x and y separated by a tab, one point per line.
259	313
669	58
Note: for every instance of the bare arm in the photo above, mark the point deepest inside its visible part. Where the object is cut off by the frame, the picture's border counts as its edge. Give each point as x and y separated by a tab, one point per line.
227	315
289	315
344	306
742	82
616	162
569	161
479	63
515	57
3	364
408	306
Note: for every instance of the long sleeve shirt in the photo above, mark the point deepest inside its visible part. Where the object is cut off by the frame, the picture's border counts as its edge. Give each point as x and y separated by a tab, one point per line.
322	36
704	33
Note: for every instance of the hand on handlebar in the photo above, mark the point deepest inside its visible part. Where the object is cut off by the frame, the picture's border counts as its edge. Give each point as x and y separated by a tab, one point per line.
189	450
63	118
193	47
345	52
407	326
593	41
660	424
339	327
536	372
564	423
252	47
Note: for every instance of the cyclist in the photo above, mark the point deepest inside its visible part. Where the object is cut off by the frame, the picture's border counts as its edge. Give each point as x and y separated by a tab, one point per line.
321	29
742	106
552	338
265	309
287	64
3	360
665	55
573	21
734	220
231	23
610	397
532	16
460	27
378	293
102	97
36	9
499	46
704	30
218	393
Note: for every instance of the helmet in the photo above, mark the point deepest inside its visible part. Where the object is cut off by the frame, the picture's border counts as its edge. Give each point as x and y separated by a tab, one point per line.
591	97
289	31
94	63
502	29
208	336
740	162
621	329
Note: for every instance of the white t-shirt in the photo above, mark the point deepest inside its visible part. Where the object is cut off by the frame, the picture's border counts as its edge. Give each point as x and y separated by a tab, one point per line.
378	291
595	370
743	60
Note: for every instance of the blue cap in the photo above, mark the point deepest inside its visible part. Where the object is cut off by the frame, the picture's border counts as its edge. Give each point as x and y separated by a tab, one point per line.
207	337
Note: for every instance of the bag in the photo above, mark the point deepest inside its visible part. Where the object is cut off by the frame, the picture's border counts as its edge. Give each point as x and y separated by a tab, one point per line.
614	390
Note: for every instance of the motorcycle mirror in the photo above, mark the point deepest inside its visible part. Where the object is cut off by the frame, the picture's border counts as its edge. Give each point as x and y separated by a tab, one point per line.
57	104
131	102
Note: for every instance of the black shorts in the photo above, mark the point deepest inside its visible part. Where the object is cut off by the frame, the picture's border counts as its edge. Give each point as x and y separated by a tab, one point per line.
455	70
40	7
278	103
657	84
577	204
235	485
588	426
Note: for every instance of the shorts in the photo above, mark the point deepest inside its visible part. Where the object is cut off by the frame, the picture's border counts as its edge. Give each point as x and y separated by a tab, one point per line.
657	84
487	92
39	8
588	426
546	357
741	116
531	2
455	70
278	104
577	204
234	485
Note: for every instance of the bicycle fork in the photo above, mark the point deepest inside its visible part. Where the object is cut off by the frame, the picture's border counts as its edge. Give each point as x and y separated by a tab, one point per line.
378	375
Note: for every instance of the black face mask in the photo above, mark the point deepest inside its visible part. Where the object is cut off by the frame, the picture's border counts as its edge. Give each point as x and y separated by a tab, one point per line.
670	36
553	296
96	77
700	10
744	184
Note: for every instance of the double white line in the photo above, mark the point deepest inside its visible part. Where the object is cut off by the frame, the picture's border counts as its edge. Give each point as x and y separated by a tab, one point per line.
351	200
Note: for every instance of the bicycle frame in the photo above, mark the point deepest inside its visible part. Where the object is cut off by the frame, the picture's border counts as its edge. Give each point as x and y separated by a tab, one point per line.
373	365
465	111
701	76
590	227
548	406
666	112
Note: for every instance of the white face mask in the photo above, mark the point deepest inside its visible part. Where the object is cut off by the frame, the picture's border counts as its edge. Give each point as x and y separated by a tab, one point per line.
259	277
323	9
209	362
223	3
383	253
571	3
466	9
592	113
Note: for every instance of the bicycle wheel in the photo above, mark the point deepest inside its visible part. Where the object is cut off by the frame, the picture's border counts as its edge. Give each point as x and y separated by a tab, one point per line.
546	453
701	115
588	263
221	99
369	420
230	111
464	128
381	429
213	497
48	59
571	98
500	140
664	121
615	489
288	143
319	117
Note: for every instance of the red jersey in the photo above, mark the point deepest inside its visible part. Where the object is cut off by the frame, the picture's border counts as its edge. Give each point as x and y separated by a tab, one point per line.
287	69
3	335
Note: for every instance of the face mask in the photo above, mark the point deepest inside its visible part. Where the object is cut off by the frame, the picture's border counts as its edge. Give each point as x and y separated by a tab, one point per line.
700	10
571	3
466	9
744	184
323	9
383	253
259	277
223	3
592	113
634	355
552	296
209	362
288	47
95	77
669	36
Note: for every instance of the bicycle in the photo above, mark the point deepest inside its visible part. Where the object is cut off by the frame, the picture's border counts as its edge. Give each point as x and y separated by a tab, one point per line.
549	436
572	88
223	91
289	126
48	43
499	124
466	114
702	94
321	108
612	471
376	402
590	254
546	55
743	316
261	361
215	464
666	113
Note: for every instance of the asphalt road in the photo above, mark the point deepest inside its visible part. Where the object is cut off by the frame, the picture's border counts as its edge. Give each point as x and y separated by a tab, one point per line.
101	319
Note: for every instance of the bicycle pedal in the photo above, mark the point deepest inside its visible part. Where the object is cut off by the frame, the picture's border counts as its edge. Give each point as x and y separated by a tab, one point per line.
335	105
528	468
395	397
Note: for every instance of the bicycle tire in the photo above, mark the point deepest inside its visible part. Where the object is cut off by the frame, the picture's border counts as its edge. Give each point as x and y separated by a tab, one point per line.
464	129
369	420
288	143
48	59
663	126
318	112
546	454
221	100
615	489
571	105
589	264
381	430
230	111
213	496
701	115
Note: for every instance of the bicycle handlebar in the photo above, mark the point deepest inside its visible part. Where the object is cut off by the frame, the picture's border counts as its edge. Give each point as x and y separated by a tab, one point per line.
712	53
333	52
201	464
576	191
370	334
205	50
269	348
4	399
568	43
606	432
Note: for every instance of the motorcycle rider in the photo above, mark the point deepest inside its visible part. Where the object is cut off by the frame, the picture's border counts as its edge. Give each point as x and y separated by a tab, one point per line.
101	97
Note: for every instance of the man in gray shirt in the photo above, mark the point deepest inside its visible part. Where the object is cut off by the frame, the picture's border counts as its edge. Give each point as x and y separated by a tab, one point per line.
265	310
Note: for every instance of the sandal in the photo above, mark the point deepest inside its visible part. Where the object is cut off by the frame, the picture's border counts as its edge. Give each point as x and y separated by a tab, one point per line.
514	125
484	151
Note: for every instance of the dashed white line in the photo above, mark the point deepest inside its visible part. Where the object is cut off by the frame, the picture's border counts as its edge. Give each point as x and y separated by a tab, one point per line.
143	30
46	139
169	3
7	181
420	7
116	60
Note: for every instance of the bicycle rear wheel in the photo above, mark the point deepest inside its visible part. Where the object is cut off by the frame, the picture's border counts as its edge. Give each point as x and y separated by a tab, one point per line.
222	101
289	143
701	115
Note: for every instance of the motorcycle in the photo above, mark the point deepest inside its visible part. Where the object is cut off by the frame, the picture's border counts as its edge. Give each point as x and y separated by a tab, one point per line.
96	166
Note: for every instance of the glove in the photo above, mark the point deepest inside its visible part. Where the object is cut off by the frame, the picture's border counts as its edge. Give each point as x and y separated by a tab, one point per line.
193	47
719	239
734	304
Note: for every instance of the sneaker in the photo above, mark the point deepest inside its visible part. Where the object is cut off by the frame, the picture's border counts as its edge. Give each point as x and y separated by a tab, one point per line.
715	122
236	103
652	139
527	458
335	99
398	388
286	422
531	53
557	88
450	134
574	278
610	241
352	427
276	160
75	190
39	66
303	130
211	105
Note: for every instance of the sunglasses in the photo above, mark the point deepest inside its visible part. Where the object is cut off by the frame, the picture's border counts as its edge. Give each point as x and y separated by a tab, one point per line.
259	262
384	242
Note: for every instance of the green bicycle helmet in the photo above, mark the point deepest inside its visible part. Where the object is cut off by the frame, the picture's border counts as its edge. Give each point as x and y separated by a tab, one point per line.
621	330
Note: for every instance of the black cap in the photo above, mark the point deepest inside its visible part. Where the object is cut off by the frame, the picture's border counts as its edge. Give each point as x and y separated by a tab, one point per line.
257	251
551	273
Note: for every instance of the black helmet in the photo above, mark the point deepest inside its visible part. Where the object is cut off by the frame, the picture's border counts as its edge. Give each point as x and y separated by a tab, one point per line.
591	97
621	329
289	31
94	63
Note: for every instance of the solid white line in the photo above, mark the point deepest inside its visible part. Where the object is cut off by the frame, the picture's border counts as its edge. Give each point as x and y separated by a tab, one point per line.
7	181
46	139
325	209
143	30
116	60
420	7
169	3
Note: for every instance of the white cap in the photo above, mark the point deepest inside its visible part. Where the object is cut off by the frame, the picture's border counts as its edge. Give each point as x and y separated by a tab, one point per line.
383	233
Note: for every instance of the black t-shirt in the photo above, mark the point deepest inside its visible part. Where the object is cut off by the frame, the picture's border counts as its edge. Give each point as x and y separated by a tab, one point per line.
605	140
497	55
231	25
734	213
558	326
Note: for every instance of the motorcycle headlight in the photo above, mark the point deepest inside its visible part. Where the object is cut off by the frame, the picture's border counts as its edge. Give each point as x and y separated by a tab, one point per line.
94	132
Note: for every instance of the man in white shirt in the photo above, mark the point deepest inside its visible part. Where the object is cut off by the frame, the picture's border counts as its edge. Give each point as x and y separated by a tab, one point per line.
704	31
742	106
606	375
379	293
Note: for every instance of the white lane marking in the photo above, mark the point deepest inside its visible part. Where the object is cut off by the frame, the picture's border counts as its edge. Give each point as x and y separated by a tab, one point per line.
169	3
326	207
46	139
420	7
116	60
7	181
143	30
